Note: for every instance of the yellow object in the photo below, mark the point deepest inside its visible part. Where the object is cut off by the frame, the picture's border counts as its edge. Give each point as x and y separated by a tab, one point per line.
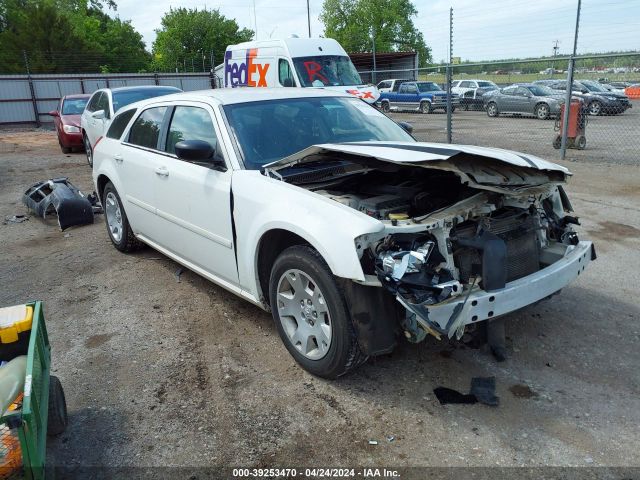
398	216
14	320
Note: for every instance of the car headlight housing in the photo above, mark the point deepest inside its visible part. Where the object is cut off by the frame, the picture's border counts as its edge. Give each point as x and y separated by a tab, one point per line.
71	129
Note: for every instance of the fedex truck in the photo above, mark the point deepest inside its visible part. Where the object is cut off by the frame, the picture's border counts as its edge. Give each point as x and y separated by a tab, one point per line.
293	62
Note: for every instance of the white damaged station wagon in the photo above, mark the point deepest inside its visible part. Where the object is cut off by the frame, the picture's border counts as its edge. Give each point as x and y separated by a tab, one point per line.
319	208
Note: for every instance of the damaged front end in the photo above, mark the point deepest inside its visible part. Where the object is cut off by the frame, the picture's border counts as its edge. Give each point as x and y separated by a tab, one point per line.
469	234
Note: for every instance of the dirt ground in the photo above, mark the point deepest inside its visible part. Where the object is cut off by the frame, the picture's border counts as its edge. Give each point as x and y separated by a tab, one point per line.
167	369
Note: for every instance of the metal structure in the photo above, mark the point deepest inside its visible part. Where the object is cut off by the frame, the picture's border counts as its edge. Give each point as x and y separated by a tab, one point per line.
28	98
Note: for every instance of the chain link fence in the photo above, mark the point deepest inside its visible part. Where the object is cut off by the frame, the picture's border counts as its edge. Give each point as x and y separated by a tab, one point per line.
517	106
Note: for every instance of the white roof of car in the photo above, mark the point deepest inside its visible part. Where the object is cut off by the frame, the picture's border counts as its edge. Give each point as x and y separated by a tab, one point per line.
228	96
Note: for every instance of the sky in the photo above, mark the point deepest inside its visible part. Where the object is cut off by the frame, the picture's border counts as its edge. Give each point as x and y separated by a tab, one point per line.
483	30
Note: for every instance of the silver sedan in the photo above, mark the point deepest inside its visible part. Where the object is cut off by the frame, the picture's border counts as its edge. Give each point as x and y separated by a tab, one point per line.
537	100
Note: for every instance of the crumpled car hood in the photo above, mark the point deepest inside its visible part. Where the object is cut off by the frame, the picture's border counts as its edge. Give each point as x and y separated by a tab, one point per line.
416	153
481	167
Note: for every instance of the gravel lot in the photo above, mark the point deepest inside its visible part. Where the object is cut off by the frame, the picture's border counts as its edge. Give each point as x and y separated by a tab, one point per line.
168	369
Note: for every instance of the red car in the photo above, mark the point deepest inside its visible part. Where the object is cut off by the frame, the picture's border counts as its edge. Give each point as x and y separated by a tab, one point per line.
67	121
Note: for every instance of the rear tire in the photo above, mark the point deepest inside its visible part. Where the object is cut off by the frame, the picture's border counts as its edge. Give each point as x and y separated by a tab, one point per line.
57	418
595	108
305	299
65	149
542	111
581	142
115	218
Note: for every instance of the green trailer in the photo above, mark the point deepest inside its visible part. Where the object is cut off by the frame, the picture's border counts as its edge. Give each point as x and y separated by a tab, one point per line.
43	410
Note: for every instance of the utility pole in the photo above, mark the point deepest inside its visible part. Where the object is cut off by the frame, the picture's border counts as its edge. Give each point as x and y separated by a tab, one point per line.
449	103
373	44
309	18
567	98
34	102
255	21
556	47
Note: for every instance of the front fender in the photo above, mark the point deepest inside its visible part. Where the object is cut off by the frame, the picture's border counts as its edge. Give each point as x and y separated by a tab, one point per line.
262	204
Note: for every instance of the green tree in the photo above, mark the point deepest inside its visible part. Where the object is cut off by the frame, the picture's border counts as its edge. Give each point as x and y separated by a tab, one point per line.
188	34
356	24
67	36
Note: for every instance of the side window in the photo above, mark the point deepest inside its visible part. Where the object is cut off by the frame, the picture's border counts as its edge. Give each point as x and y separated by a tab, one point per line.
509	91
284	73
91	106
465	84
119	123
190	123
523	92
103	104
146	129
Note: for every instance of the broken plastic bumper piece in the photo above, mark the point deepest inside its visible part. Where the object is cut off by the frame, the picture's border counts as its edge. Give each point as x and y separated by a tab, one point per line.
61	197
477	305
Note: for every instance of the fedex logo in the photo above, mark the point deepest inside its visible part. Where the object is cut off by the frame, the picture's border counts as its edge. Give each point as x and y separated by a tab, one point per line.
247	73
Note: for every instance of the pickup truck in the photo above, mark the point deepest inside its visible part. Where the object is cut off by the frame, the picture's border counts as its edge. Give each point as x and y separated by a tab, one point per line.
423	97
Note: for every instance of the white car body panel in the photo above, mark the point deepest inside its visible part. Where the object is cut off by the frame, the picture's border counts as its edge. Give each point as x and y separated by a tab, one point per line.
297	210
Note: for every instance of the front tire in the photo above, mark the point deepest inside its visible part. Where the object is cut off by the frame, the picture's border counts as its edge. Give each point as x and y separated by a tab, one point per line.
118	227
386	107
425	107
311	314
88	150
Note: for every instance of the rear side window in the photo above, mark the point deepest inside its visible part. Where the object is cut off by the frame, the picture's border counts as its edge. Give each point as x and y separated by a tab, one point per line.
190	123
145	131
103	104
284	73
119	123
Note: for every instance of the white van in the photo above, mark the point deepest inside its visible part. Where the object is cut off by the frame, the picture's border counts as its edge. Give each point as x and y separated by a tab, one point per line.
293	62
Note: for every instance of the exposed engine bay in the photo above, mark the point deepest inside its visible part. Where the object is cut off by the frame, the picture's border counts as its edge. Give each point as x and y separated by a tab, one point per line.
462	238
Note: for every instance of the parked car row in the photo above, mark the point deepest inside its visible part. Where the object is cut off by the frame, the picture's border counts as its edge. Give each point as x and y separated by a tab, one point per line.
81	120
541	98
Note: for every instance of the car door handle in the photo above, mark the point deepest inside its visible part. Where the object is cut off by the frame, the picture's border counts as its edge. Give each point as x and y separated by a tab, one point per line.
162	171
118	158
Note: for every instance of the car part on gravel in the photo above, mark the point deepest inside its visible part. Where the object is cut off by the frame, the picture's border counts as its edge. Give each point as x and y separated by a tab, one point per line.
61	197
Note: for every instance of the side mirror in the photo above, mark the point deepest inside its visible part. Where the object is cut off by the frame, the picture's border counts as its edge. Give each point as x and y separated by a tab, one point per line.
54	113
98	115
407	127
198	151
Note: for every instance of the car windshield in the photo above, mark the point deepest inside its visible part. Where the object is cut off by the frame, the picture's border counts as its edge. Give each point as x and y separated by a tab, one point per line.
594	87
487	85
270	130
326	71
125	97
541	91
74	106
428	87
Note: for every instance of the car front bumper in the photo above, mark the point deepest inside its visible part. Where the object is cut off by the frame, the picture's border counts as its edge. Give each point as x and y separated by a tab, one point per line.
480	305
